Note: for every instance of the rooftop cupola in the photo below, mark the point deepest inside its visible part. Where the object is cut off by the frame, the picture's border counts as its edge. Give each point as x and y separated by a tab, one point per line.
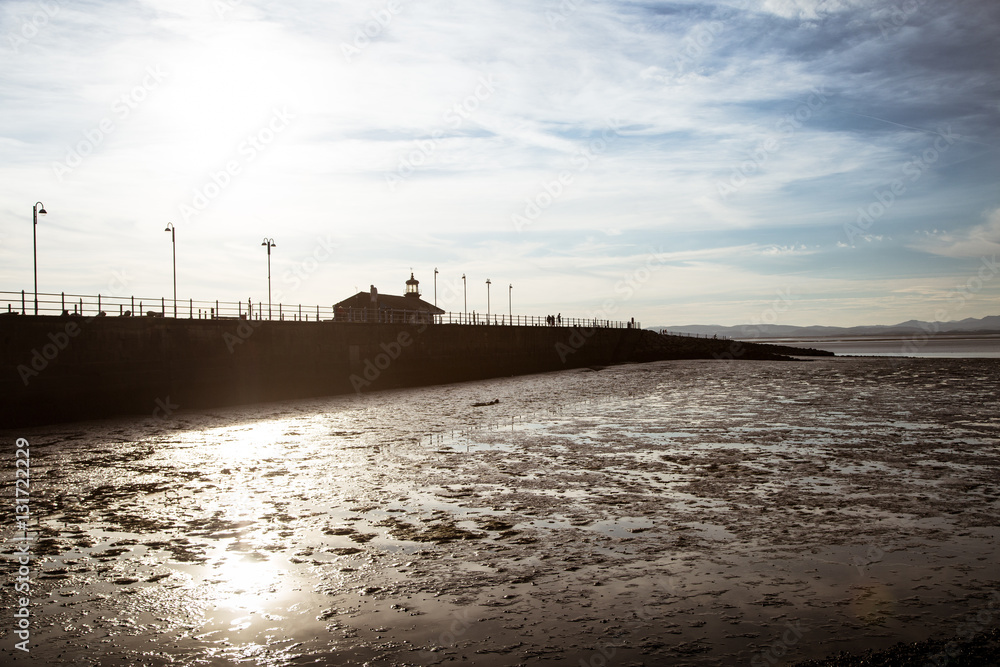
412	287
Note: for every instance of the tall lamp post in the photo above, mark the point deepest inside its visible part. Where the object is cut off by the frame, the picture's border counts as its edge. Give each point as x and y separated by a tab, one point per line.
39	207
487	301
270	244
173	241
465	298
510	311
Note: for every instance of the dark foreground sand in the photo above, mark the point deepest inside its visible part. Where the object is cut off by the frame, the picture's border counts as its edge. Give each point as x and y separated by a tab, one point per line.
671	513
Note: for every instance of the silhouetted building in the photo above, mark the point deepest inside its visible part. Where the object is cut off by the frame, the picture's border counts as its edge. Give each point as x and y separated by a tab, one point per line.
372	306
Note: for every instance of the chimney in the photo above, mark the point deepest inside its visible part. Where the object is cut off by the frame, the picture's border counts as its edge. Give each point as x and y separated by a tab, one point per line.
374	295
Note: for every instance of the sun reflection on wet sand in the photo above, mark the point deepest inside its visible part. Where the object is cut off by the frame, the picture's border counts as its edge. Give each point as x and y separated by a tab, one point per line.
367	529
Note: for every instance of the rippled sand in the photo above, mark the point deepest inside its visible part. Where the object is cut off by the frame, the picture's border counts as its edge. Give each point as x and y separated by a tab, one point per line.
670	513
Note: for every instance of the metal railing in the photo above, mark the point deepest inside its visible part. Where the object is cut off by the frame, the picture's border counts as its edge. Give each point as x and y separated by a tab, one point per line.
129	306
664	332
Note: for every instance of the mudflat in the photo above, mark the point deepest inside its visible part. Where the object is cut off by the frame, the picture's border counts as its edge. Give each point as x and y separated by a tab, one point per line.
689	512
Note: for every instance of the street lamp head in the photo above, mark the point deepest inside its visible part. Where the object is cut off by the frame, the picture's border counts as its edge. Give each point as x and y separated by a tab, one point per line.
40	208
170	227
270	243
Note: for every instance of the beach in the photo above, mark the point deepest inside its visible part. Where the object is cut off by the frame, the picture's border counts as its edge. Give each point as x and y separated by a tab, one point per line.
677	512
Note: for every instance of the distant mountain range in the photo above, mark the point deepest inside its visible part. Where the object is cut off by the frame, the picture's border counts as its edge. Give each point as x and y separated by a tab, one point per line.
990	324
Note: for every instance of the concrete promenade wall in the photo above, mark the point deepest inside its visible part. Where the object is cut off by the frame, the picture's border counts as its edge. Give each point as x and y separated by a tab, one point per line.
55	369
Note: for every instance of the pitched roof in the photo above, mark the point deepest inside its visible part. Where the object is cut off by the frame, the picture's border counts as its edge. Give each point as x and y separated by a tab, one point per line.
389	301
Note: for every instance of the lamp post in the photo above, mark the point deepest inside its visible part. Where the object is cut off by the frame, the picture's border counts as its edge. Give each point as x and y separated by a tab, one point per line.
270	244
173	241
487	301
35	210
510	311
465	301
435	287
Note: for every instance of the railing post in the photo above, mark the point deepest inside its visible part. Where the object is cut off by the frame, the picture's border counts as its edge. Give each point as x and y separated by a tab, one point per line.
163	305
191	307
98	303
62	300
22	303
217	308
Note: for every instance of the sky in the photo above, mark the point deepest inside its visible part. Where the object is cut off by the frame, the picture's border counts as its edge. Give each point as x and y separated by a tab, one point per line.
783	161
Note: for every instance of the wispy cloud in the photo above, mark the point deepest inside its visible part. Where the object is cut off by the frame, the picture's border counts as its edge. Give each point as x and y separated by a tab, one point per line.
976	241
703	94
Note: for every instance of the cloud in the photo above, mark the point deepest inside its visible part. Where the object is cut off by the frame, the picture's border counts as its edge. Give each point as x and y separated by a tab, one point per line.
694	90
809	10
977	241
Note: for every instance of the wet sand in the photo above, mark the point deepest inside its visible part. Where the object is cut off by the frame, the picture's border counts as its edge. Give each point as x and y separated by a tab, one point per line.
696	512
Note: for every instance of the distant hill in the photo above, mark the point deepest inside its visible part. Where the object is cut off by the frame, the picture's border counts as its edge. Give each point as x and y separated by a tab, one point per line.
990	324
